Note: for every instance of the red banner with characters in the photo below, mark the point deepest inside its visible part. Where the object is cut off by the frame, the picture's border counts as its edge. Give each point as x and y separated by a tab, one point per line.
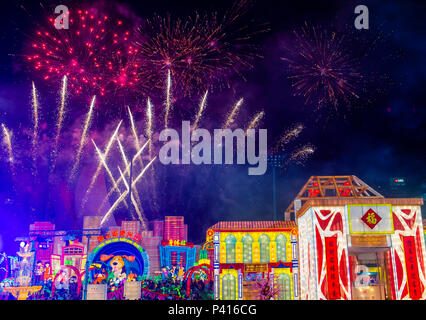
412	267
332	268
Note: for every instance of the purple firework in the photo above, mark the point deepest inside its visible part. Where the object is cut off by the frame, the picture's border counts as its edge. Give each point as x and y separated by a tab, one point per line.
321	69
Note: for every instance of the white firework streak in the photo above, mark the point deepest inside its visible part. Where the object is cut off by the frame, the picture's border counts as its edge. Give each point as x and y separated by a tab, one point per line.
83	137
102	160
123	196
98	169
120	179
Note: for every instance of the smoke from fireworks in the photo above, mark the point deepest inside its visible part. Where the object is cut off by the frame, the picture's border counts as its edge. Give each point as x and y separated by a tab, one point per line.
321	69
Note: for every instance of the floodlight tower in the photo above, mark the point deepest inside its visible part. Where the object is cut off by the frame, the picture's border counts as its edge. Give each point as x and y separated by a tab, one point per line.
275	161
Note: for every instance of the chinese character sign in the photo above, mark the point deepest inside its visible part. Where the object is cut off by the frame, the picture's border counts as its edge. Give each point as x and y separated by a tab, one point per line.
412	268
332	268
370	219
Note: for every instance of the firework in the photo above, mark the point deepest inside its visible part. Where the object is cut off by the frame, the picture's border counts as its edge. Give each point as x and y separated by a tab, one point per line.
201	51
126	185
104	164
83	137
36	107
135	136
289	135
143	171
168	99
8	141
123	196
95	53
200	110
231	118
255	121
135	205
126	172
126	163
301	154
60	119
98	169
321	69
285	150
149	116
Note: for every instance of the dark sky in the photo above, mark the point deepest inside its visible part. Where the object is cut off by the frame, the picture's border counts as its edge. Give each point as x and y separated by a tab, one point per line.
381	137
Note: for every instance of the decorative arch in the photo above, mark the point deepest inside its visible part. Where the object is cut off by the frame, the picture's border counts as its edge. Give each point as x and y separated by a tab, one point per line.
208	245
284	286
77	273
229	287
207	268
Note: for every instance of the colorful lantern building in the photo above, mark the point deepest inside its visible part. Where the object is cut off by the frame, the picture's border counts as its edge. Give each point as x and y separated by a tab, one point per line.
175	249
251	255
356	244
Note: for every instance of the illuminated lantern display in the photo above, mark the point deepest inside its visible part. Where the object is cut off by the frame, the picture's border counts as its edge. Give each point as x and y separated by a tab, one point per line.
74	255
251	255
356	244
175	251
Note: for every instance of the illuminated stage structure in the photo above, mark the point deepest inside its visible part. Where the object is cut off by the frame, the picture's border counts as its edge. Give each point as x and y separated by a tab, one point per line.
340	240
249	253
92	251
424	229
175	249
356	244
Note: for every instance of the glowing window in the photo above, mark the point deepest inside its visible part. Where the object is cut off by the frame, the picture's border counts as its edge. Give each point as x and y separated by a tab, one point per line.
264	248
247	241
281	241
229	287
230	242
284	287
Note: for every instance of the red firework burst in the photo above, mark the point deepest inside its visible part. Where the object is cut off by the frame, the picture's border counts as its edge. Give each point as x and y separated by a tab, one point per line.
321	69
95	53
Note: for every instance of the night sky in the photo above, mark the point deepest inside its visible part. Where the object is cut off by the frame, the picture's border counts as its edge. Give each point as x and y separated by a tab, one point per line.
381	136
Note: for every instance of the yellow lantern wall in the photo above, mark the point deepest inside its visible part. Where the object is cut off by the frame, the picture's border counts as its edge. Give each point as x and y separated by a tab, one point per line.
255	246
239	252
